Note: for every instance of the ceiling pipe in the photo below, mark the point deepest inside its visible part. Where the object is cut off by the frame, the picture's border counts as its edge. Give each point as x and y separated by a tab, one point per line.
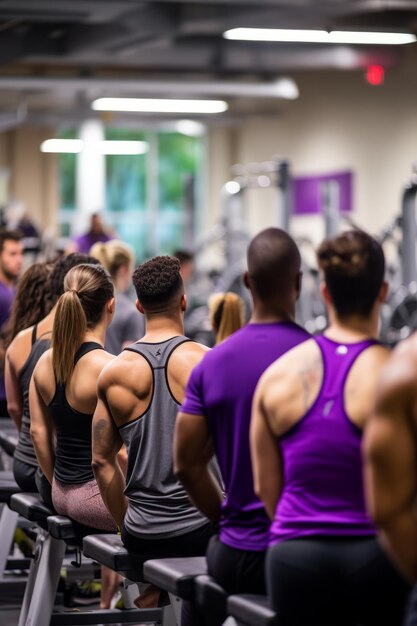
281	88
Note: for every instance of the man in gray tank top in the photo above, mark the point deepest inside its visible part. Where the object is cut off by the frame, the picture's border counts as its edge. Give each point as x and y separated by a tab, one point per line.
139	395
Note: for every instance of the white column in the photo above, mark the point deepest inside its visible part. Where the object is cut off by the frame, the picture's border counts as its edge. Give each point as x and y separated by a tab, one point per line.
91	174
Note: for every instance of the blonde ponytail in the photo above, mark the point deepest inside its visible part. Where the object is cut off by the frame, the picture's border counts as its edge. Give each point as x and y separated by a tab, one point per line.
113	255
70	325
88	288
227	314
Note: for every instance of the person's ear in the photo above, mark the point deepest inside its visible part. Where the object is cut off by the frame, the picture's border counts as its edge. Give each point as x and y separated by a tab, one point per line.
111	305
383	292
184	303
246	281
325	293
139	307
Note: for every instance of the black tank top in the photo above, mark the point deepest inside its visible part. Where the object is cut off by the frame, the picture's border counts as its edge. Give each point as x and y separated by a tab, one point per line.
24	450
73	433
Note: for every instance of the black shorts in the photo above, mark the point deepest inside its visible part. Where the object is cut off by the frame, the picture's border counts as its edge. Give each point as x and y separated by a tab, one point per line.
193	543
333	581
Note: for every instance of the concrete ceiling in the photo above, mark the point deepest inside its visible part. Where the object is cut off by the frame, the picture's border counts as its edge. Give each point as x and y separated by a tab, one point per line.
56	55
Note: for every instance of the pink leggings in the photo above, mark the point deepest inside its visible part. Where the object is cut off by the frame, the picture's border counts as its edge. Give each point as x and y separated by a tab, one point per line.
83	503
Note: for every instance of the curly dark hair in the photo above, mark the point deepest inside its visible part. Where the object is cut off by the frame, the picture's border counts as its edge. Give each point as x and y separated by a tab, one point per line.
61	267
353	265
158	281
32	301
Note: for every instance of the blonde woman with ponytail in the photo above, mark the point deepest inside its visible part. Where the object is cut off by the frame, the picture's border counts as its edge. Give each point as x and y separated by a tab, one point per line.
227	314
63	399
128	324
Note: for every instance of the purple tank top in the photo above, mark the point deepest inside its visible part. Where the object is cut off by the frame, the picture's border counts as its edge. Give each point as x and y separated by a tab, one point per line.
323	484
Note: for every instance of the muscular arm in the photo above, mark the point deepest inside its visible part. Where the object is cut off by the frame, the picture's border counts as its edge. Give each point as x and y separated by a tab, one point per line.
41	425
106	442
265	454
390	468
193	450
13	392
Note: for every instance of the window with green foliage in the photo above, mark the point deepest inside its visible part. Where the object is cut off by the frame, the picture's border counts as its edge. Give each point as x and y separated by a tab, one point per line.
179	157
125	175
151	197
67	167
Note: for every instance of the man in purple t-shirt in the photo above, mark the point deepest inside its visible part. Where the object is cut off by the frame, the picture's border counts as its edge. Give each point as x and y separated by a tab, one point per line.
215	415
11	259
95	234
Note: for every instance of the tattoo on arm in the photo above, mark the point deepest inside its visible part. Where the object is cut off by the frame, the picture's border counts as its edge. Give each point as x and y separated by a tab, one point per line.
100	428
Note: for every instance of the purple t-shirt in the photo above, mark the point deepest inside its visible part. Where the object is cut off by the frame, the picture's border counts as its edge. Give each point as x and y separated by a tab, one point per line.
7	295
221	388
86	242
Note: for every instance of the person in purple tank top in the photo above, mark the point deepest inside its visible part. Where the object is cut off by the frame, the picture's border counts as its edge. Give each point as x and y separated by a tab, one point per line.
216	414
324	565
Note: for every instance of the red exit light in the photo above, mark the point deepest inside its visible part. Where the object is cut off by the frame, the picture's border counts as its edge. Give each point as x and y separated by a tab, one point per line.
375	74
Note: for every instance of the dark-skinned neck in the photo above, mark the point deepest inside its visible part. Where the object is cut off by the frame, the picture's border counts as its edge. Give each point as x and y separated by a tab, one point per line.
270	312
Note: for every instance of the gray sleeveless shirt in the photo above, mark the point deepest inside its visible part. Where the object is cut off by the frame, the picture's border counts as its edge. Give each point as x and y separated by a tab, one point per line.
158	505
24	450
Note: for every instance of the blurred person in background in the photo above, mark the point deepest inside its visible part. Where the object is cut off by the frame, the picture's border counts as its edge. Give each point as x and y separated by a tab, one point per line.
186	260
128	324
95	234
11	260
227	314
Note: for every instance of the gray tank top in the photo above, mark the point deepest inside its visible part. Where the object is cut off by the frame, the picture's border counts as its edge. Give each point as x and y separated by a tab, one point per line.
24	450
158	505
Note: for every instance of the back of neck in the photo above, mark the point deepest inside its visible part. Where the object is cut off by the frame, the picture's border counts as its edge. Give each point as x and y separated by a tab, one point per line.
160	328
350	333
266	314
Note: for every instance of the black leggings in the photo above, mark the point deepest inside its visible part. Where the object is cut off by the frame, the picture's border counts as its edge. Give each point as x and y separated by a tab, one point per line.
324	581
31	479
237	571
24	475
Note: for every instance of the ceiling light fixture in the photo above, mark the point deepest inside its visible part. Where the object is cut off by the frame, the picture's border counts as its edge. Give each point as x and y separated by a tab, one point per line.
319	36
64	146
74	146
159	105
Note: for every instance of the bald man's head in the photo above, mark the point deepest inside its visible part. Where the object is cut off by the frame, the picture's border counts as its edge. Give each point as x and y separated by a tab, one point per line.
274	264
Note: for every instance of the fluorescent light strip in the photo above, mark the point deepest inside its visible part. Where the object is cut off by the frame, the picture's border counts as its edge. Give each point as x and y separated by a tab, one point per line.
318	36
159	105
63	146
123	147
74	146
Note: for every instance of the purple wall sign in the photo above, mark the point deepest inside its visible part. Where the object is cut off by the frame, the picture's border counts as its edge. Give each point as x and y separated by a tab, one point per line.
306	192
